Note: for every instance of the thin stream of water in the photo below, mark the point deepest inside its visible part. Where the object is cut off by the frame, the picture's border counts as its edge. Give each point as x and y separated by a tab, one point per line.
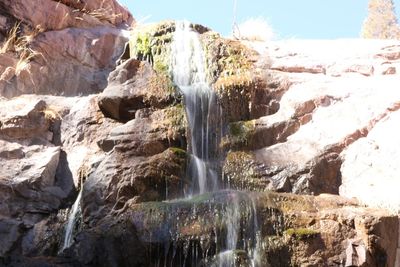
72	218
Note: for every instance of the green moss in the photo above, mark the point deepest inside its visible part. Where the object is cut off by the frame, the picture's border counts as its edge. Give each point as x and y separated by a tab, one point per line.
176	119
142	44
242	129
162	85
227	58
178	152
160	66
239	135
239	156
150	43
301	233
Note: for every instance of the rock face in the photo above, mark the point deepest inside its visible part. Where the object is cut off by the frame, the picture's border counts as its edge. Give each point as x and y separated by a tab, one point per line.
311	145
297	120
60	47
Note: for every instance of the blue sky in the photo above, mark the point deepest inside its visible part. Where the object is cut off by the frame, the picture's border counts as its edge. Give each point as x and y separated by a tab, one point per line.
308	19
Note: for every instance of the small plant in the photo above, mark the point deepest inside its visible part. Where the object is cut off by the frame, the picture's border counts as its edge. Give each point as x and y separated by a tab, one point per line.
254	29
51	114
104	13
19	41
178	152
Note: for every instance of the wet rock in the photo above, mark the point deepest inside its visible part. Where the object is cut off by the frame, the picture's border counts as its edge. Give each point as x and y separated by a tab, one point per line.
296	230
109	244
121	178
81	130
45	237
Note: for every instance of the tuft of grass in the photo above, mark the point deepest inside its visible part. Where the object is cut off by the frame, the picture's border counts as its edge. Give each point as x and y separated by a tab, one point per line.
301	233
26	56
11	39
51	113
19	43
104	14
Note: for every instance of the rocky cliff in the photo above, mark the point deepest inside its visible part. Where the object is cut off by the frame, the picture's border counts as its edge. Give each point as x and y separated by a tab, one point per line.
308	134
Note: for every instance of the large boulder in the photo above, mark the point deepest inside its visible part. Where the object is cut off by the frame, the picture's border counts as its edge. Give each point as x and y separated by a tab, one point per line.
140	165
134	85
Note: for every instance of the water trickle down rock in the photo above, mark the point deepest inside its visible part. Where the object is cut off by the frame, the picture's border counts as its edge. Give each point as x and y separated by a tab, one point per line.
234	221
189	74
72	219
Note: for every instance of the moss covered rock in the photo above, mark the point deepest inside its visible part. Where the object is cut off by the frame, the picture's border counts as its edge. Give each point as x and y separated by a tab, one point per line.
239	135
230	67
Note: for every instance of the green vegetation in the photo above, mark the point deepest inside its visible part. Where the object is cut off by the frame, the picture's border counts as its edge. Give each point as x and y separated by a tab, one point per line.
226	59
239	135
143	48
178	152
175	121
301	233
150	43
242	130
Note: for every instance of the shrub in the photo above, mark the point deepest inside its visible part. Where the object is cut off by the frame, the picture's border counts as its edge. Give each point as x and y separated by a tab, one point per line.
254	29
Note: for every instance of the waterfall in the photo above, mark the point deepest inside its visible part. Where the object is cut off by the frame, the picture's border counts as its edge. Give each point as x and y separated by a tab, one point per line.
72	218
189	74
238	217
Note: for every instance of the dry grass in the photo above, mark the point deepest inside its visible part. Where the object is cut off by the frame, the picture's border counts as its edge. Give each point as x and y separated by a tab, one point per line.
30	35
19	42
254	29
25	57
16	41
51	113
11	39
105	14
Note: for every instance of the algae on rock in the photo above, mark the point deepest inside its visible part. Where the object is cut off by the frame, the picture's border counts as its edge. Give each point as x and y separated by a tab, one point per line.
240	171
239	135
230	68
151	43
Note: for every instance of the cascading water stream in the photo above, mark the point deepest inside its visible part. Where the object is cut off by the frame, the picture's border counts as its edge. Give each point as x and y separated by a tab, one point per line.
72	218
189	74
188	69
